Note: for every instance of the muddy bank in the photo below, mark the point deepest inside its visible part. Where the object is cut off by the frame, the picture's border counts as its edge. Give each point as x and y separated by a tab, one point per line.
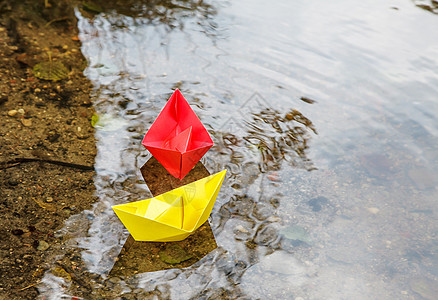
47	146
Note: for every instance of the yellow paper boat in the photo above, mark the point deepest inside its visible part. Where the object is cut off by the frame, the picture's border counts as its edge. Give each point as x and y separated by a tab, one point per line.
174	215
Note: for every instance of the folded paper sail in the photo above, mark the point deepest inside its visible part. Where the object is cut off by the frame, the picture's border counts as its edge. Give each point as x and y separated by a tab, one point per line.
177	138
174	215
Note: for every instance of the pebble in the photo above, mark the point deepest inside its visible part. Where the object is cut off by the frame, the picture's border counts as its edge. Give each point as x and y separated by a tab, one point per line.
17	231
241	229
21	111
274	176
26	122
49	199
43	245
13	182
12	112
423	178
373	210
114	280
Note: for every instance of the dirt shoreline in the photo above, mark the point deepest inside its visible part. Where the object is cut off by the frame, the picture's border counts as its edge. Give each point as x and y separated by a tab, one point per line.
47	145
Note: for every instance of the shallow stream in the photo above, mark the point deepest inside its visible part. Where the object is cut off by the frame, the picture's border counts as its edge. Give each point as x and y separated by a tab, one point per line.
324	114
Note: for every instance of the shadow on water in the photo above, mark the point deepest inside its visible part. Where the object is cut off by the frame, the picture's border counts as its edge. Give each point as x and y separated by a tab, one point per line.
139	257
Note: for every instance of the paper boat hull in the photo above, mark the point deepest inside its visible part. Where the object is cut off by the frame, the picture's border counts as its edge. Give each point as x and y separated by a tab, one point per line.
174	220
178	164
177	138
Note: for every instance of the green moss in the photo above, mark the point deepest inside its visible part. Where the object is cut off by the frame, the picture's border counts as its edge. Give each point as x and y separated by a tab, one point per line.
50	70
174	254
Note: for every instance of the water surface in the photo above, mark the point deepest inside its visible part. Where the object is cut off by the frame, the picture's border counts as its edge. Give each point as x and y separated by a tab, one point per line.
324	115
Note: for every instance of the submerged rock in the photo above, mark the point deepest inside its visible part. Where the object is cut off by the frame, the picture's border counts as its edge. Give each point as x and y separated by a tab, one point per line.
174	254
317	203
43	245
296	233
424	287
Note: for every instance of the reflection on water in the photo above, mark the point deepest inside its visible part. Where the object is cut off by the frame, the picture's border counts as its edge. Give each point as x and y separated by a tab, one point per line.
168	12
280	137
140	257
360	225
159	181
429	5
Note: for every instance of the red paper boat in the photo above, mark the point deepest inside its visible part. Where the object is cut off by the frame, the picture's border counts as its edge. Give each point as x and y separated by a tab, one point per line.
177	138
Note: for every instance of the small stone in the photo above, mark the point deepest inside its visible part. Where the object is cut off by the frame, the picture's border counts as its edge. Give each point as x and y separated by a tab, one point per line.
3	99
12	112
37	90
317	203
43	245
17	231
241	229
13	182
27	257
114	280
49	199
373	210
274	176
82	136
26	122
20	111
